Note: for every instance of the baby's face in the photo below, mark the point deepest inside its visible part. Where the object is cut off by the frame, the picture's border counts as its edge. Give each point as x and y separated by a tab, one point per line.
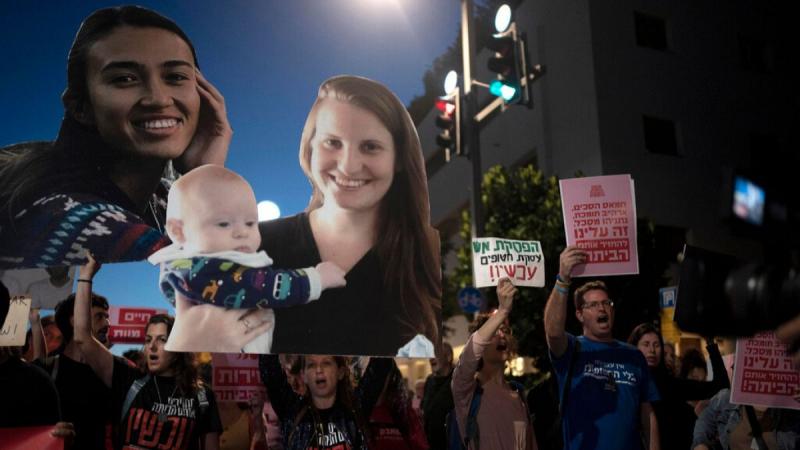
222	219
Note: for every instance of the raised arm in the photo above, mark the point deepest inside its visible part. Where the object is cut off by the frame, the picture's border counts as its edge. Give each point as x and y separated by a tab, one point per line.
369	389
281	396
96	354
555	312
37	335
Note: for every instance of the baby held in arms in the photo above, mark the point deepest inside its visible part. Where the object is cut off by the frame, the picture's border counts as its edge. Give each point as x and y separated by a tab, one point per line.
212	220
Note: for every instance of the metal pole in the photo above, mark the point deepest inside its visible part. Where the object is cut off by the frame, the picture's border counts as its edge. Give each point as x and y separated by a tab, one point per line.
471	132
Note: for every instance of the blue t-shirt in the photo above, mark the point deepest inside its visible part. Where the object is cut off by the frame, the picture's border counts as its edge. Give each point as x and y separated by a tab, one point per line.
609	383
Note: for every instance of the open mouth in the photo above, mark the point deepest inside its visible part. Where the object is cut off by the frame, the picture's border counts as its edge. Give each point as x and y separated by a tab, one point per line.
320	382
502	347
602	319
348	183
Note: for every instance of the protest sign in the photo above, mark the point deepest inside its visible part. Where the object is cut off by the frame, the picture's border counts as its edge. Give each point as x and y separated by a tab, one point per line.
669	329
763	373
600	217
496	258
16	324
236	376
128	323
45	287
24	438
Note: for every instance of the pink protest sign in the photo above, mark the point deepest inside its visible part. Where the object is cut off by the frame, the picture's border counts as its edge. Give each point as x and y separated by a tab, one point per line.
763	373
236	376
600	217
129	324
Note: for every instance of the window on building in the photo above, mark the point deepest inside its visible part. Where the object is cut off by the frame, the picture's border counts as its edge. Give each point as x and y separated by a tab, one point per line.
651	31
660	136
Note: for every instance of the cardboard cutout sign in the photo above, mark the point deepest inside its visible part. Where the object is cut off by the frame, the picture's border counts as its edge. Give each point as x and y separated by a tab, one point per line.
16	324
763	373
236	376
129	323
600	217
46	287
497	258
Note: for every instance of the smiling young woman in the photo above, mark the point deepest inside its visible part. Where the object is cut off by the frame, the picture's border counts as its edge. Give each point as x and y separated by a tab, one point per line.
133	103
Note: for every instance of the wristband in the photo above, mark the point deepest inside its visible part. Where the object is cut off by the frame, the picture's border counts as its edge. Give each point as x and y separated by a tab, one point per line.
561	289
559	280
84	280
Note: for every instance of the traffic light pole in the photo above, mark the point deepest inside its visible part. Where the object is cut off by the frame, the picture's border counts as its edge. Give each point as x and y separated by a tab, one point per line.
471	131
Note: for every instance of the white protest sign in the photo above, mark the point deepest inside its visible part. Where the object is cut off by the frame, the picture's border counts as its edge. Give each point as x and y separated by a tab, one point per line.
496	258
16	324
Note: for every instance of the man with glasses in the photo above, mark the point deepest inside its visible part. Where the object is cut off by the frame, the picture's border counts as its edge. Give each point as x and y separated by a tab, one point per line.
607	401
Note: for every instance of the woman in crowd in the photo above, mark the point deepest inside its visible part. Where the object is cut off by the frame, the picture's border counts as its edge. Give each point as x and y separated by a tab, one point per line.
331	415
675	416
135	100
368	214
394	423
169	396
502	418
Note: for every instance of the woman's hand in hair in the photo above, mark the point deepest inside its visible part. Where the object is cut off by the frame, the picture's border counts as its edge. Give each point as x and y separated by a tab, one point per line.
213	136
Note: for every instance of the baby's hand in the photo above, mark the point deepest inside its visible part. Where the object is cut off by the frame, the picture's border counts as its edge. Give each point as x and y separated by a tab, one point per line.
330	275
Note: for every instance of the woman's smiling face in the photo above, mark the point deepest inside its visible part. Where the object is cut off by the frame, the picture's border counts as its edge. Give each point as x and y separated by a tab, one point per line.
352	157
143	95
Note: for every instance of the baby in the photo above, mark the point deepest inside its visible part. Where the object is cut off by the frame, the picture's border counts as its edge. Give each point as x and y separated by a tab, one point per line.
212	219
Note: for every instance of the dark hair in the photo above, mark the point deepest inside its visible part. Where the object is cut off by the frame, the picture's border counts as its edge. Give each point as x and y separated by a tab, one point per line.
344	389
28	170
586	287
645	328
408	246
65	309
395	396
187	376
691	359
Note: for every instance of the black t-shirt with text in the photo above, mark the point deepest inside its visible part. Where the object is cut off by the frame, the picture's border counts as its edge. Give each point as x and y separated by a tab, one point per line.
161	416
328	436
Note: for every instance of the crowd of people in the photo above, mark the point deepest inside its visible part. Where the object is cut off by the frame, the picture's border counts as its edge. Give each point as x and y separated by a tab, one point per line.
609	394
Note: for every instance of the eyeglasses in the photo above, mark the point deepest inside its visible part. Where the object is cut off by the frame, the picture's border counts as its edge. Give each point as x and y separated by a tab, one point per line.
596	305
506	330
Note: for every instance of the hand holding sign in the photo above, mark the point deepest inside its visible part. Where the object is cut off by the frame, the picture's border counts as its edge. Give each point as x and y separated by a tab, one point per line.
570	257
506	291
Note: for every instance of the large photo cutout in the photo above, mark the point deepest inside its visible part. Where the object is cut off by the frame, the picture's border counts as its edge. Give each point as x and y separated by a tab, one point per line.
354	270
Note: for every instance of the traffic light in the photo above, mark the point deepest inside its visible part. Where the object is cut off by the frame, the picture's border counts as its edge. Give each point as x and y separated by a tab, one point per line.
505	64
510	61
449	122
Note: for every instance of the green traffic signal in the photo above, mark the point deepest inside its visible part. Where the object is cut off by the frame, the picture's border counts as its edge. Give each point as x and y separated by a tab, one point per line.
509	92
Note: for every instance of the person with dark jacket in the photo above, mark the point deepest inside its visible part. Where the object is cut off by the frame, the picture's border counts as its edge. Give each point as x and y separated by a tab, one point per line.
675	416
331	415
437	398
